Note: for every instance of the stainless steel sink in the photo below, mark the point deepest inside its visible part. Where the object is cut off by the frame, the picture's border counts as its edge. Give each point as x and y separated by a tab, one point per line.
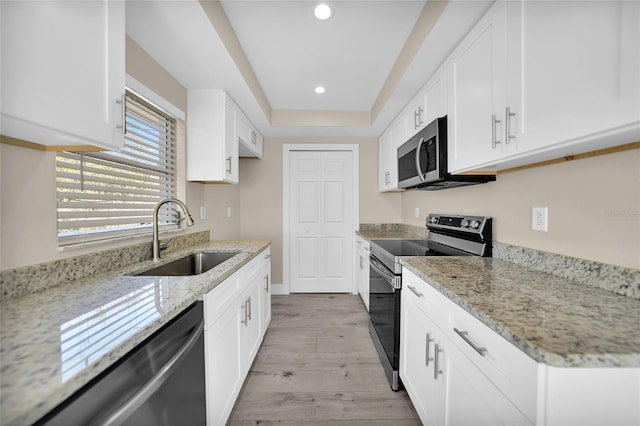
193	264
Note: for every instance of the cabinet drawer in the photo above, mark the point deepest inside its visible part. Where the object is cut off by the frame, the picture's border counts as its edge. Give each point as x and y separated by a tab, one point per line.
251	270
429	300
220	298
510	369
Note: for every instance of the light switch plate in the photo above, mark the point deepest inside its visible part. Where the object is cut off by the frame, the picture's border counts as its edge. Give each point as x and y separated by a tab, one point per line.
417	213
539	219
203	212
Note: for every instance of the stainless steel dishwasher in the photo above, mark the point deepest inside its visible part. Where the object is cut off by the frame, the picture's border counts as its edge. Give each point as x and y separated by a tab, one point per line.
161	382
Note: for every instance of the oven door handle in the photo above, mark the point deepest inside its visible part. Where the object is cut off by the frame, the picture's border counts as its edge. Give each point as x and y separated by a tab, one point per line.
384	272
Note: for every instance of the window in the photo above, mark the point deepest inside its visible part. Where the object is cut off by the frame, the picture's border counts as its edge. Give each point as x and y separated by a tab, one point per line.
108	194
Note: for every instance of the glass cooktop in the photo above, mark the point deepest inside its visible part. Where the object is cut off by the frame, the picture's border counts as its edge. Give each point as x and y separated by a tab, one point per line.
407	247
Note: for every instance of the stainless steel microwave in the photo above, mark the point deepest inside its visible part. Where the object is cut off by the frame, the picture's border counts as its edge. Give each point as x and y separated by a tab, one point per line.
422	161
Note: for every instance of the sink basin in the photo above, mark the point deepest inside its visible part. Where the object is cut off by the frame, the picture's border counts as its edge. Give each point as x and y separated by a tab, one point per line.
193	264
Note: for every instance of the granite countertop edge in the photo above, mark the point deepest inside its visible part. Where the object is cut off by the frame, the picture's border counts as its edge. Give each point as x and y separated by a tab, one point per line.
15	411
504	328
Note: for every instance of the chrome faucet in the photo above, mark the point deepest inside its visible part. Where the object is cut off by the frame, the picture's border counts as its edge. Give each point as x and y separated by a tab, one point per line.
187	217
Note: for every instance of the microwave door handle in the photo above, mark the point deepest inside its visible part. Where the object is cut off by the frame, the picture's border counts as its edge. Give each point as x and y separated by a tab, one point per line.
418	149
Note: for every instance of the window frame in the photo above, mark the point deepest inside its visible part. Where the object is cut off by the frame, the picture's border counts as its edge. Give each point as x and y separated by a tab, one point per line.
173	188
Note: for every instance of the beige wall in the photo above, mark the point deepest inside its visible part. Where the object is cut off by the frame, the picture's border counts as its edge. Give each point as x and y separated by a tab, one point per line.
261	193
594	207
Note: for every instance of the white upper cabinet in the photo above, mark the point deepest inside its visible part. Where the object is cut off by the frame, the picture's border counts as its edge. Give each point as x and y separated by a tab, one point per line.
218	133
429	104
63	72
537	80
477	93
212	145
575	74
249	140
388	163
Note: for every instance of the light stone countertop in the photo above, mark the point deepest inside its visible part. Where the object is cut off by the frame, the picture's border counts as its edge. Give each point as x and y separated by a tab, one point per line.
41	365
554	320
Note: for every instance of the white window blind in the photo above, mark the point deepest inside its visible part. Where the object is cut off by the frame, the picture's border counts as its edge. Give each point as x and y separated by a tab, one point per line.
109	194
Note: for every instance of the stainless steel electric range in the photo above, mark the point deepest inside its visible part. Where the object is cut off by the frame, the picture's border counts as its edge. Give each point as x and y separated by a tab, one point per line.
449	235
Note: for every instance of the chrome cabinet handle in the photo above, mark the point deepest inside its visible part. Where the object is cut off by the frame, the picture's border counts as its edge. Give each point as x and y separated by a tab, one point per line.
361	263
140	397
266	287
387	178
427	357
494	141
436	366
267	256
244	310
122	126
507	125
464	335
229	162
414	291
249	309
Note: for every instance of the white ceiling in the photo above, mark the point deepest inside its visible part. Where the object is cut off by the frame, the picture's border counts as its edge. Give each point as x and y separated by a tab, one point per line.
350	54
291	52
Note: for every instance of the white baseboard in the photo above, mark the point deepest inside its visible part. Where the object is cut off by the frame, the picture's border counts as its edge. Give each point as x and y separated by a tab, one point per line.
279	289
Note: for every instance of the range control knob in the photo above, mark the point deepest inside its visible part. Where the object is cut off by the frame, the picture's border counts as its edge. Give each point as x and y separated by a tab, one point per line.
433	219
475	224
464	223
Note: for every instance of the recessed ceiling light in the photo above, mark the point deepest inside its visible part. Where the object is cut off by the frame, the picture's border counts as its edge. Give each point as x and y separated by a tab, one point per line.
322	11
319	90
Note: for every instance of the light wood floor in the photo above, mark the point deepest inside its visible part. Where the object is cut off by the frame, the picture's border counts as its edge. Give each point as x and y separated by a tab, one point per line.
318	366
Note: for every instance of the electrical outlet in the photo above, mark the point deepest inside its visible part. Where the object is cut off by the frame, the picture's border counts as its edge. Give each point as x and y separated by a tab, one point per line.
417	213
539	219
229	211
203	212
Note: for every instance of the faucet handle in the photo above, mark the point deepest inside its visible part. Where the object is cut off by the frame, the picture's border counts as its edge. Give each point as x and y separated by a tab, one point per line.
165	243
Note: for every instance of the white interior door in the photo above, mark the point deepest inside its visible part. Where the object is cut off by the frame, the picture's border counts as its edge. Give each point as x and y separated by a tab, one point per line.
321	221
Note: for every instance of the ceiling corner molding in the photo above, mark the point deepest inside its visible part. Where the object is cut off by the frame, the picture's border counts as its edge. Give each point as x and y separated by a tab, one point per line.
221	24
424	24
320	118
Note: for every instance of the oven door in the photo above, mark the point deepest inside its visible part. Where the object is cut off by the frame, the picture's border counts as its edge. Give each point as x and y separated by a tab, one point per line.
384	316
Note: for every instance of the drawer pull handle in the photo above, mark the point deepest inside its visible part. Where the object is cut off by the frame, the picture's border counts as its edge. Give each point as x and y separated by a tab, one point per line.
414	291
436	367
464	335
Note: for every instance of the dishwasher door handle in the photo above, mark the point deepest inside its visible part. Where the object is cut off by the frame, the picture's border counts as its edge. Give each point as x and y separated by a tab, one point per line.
119	415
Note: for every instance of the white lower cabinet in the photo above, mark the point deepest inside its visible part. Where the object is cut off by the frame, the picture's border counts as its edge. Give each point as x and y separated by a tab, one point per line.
223	366
234	328
457	371
362	269
417	337
446	388
265	312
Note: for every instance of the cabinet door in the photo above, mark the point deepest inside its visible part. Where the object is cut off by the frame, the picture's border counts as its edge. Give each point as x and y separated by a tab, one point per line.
384	162
435	93
418	339
63	72
477	93
251	319
362	269
223	368
231	114
472	399
265	312
580	68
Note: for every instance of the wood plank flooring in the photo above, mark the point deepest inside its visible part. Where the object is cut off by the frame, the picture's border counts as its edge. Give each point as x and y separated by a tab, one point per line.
318	366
